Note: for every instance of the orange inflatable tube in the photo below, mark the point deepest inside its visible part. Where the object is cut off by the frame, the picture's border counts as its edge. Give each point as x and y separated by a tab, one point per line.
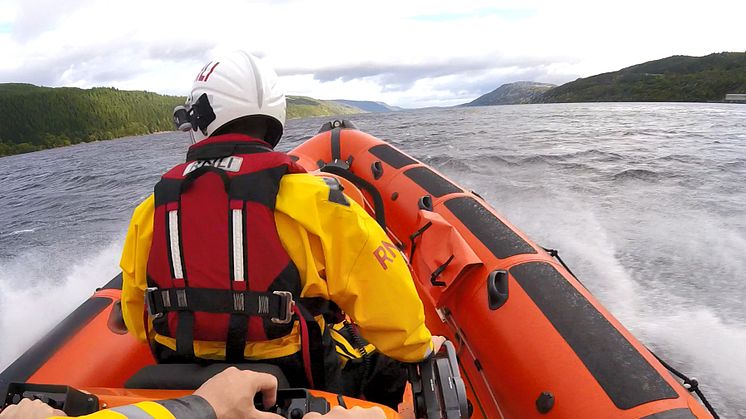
531	340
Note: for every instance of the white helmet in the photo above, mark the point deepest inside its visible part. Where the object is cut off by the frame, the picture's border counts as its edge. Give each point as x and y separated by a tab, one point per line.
230	87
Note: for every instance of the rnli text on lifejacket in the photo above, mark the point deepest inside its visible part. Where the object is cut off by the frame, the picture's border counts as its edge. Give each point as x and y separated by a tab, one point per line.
230	164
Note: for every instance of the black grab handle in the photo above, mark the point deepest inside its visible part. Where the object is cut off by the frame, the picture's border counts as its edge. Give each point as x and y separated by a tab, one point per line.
497	289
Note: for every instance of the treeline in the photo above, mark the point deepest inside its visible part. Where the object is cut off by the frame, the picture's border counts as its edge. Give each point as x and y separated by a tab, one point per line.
673	79
35	118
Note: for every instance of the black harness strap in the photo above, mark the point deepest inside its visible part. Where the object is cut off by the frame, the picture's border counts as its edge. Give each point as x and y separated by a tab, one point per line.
220	150
260	187
316	348
185	335
238	329
196	173
247	303
167	190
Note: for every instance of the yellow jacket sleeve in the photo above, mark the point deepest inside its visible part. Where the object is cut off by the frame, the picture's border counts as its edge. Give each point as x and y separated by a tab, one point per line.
188	407
346	257
142	410
134	264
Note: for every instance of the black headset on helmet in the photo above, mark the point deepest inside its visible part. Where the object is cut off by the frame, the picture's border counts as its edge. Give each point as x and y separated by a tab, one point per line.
193	116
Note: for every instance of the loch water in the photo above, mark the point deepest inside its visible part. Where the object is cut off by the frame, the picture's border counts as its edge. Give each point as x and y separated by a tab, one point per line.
645	201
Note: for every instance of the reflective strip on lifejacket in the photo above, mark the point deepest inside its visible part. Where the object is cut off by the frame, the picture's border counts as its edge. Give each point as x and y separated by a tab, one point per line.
238	245
173	227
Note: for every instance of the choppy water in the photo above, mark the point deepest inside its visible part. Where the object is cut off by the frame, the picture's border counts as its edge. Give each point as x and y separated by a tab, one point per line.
647	203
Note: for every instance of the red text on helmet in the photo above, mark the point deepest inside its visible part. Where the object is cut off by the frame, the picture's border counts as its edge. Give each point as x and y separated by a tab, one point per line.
204	74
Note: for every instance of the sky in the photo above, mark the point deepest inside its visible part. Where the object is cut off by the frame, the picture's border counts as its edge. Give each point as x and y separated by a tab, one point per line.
405	53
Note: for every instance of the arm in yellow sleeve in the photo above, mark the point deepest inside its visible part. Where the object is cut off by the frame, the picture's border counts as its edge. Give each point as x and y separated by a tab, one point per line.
134	264
380	296
189	407
348	259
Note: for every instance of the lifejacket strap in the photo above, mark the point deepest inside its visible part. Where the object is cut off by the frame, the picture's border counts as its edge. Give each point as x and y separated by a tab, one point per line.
220	150
312	348
235	343
277	305
185	335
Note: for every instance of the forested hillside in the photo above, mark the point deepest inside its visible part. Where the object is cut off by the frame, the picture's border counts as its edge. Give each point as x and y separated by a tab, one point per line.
674	79
302	106
34	118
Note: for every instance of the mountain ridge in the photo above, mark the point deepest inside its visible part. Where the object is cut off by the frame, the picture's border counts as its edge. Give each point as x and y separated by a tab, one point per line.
678	78
369	106
515	93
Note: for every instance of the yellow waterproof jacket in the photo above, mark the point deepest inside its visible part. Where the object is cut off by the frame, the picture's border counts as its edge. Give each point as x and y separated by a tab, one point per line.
342	255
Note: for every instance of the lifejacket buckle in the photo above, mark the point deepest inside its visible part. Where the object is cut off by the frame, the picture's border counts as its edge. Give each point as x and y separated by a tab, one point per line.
150	302
288	313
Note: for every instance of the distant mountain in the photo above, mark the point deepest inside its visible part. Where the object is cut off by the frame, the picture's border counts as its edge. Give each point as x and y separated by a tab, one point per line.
34	118
678	78
369	106
512	94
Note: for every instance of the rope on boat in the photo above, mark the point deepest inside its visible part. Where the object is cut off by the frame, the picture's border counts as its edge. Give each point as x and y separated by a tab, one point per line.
555	254
690	384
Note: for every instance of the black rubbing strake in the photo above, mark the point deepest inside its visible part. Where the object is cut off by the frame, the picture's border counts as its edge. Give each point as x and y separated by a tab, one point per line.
391	156
496	236
626	377
114	284
681	413
433	183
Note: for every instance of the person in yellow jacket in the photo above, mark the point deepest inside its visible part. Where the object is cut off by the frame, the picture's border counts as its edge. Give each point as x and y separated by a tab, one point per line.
334	244
227	395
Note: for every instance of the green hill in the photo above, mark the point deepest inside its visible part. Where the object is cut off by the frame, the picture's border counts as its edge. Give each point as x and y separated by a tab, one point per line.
369	106
302	106
35	118
674	79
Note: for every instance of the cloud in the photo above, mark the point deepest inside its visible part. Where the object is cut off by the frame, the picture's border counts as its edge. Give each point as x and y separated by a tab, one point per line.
39	16
506	13
400	76
413	53
176	51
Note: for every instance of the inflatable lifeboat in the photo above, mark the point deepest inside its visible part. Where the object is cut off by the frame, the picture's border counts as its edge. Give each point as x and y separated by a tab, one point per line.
527	339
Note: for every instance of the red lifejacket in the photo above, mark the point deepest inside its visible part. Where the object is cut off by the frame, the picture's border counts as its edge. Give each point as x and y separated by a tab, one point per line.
217	270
